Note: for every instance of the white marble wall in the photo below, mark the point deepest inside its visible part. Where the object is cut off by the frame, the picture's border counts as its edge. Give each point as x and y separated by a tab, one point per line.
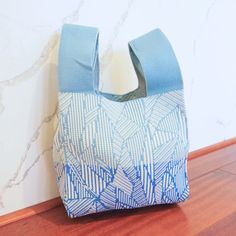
203	36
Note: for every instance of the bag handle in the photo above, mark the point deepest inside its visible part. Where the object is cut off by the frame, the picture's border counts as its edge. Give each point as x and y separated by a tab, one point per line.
78	68
153	58
155	63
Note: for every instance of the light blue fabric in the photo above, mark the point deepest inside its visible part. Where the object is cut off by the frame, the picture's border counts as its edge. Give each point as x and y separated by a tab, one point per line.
115	155
78	69
152	56
155	62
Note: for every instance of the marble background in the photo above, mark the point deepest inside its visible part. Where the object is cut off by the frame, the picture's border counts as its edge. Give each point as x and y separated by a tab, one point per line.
202	33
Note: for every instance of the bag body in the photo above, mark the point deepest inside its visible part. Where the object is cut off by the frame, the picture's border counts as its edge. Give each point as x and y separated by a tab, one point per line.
119	151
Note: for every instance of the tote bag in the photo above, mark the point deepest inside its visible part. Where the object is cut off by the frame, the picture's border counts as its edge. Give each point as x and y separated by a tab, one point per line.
119	151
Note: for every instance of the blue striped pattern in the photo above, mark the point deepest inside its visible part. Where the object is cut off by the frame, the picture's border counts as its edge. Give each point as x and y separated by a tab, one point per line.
111	155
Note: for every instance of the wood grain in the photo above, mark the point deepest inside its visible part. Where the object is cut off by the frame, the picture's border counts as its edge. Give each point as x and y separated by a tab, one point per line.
212	161
212	148
210	208
224	227
30	211
231	168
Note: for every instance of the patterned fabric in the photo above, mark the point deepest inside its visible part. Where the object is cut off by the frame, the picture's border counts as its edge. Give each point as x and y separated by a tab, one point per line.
111	155
116	155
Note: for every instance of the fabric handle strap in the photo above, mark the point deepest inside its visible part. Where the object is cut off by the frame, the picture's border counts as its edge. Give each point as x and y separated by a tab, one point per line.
78	69
153	58
155	63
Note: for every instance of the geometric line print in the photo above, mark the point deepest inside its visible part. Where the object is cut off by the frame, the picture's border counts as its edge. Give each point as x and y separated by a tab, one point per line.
120	155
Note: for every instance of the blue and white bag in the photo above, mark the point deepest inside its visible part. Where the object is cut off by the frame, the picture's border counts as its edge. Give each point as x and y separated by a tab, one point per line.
119	151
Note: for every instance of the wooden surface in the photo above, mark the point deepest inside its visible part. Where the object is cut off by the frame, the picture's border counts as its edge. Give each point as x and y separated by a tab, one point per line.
30	211
211	148
210	210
